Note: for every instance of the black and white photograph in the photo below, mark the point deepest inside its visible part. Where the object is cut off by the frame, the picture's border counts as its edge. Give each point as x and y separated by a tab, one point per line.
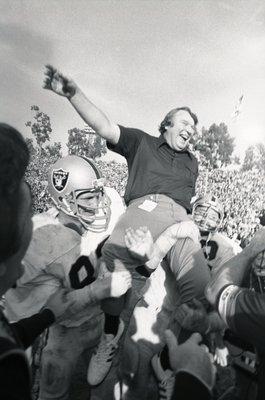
132	200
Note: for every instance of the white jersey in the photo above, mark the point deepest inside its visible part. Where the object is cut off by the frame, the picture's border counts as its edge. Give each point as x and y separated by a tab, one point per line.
218	249
58	257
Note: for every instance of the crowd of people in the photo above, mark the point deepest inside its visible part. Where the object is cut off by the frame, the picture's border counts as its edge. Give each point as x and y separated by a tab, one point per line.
140	299
242	194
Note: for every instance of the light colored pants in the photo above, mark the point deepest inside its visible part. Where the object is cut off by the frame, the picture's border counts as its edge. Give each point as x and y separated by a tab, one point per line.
65	360
166	213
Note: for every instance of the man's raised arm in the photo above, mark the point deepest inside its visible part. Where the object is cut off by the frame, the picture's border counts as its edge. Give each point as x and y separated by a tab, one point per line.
93	116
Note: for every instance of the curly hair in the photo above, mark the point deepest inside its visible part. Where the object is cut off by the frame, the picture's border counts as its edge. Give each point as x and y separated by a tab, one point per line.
14	159
167	121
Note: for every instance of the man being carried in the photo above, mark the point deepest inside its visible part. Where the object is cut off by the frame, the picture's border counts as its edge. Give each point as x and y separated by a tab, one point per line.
161	183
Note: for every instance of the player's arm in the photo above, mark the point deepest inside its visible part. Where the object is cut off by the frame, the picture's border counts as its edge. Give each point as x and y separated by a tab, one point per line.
234	270
113	284
28	329
55	309
243	312
91	114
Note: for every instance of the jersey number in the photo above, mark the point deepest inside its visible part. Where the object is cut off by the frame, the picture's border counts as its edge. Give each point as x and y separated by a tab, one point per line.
209	249
81	273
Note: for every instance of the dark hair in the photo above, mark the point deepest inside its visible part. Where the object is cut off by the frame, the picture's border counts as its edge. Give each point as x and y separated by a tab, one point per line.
167	121
14	159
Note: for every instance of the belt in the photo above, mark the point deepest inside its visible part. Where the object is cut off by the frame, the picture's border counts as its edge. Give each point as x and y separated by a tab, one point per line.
158	197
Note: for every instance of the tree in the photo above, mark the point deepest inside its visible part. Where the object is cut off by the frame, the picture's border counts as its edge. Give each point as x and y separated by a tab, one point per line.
54	150
216	145
254	157
85	142
40	128
42	156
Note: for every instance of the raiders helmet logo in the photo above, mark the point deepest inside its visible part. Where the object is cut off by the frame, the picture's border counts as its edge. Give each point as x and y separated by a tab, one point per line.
59	179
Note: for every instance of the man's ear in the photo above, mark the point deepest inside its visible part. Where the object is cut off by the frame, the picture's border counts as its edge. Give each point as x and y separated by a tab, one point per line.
2	268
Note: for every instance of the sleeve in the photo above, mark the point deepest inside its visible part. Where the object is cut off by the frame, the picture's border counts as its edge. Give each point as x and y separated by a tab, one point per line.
243	312
128	143
83	297
226	254
28	329
189	266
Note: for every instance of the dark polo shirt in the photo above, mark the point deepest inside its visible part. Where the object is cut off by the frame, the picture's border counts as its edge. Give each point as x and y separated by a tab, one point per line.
155	168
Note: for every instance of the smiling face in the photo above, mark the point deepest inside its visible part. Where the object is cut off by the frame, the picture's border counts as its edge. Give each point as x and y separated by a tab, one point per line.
179	134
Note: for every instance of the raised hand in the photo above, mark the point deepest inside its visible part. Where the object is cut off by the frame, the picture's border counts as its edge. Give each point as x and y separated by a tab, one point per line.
140	243
57	82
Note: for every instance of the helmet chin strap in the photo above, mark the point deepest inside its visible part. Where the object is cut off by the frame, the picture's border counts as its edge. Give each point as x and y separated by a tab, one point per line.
94	225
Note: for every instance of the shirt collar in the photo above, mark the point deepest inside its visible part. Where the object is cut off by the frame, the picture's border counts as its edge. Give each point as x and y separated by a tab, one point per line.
161	140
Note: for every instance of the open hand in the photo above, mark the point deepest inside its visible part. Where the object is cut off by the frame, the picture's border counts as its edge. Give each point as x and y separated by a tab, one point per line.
140	243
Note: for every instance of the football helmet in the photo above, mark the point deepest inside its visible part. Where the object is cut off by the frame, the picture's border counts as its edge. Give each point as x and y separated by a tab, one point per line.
208	213
77	188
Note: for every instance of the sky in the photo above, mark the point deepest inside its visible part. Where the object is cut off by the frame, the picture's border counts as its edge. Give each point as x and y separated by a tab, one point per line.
136	60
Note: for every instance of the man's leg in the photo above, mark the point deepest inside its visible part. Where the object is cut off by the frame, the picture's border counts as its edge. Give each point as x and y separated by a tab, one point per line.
165	213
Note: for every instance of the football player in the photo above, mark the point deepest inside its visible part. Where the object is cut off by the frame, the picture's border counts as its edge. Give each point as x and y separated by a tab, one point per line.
208	214
243	309
59	257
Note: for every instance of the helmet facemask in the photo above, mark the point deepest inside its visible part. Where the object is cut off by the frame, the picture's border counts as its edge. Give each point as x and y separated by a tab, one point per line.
90	206
207	217
77	189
